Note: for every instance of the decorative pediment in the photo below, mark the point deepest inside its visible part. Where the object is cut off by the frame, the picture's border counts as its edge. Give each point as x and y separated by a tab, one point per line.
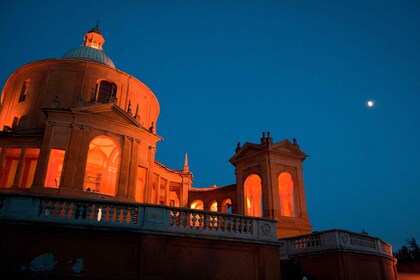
108	111
282	148
287	148
248	149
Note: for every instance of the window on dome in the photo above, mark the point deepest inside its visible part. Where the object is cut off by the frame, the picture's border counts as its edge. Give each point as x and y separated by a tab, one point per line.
55	166
24	91
106	92
9	167
102	166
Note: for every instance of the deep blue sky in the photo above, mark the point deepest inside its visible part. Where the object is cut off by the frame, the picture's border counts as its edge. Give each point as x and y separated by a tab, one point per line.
224	71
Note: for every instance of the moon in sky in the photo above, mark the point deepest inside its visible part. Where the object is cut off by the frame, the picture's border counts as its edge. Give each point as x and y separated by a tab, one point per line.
370	103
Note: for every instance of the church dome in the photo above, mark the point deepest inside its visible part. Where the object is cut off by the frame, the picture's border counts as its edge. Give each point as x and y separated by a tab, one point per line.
89	53
92	49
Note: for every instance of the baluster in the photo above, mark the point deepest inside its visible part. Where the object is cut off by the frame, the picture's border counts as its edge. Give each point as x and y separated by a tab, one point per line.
88	210
135	215
221	223
70	211
229	224
117	215
123	214
128	215
171	217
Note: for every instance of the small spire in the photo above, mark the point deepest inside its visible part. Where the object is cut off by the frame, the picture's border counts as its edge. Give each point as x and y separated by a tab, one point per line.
238	147
263	139
269	138
186	167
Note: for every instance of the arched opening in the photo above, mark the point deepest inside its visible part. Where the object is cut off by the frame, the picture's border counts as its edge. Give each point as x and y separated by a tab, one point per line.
287	204
102	166
253	196
213	206
106	91
197	204
227	206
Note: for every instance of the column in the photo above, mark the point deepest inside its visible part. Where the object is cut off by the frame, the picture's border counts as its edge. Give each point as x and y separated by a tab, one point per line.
19	168
69	172
125	167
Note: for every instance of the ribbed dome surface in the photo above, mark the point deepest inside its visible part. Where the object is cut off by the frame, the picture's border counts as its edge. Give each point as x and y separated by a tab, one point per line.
88	53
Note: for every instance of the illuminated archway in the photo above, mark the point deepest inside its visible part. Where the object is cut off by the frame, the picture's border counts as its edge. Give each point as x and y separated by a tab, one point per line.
102	166
213	206
253	196
197	204
227	206
287	204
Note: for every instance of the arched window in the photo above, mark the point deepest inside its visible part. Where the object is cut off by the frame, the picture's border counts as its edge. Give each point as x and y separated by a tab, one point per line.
197	204
106	91
253	196
102	166
227	206
213	206
287	204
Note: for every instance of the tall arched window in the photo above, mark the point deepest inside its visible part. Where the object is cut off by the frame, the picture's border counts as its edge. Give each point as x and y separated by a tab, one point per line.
287	204
253	196
102	166
106	91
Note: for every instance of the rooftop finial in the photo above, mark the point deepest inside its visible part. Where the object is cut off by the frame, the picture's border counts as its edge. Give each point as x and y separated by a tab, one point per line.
186	167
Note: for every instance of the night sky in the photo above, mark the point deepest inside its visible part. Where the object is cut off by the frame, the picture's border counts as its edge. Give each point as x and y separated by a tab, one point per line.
225	71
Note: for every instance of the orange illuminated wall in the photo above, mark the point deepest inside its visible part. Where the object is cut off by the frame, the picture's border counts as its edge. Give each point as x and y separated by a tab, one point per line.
55	166
174	196
102	166
140	184
9	167
253	199
287	204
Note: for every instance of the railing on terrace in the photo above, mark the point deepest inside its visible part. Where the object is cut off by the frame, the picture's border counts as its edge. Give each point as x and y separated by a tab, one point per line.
333	240
132	216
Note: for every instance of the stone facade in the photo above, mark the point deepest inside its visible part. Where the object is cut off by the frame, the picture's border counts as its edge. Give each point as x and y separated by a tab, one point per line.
79	127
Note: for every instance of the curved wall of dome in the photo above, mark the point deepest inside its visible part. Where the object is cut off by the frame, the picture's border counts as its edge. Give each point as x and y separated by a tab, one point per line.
71	83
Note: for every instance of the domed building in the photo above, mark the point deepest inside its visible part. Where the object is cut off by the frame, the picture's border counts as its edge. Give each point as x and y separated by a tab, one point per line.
80	127
81	194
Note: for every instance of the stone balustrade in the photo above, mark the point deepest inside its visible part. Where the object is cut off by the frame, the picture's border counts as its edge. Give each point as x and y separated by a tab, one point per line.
136	217
333	240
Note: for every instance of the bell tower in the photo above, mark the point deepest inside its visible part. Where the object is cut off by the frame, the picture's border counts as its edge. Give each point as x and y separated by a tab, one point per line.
269	183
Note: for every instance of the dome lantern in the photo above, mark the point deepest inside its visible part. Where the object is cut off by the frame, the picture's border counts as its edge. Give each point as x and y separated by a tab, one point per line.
92	49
